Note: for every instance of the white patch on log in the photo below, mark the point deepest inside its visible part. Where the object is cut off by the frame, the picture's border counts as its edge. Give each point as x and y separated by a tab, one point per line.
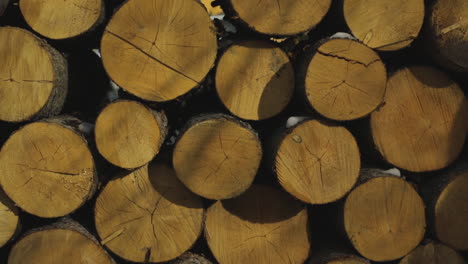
97	52
294	120
342	35
86	128
394	171
113	94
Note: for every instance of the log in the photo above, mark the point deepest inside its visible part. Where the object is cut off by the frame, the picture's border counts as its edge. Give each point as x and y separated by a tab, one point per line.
264	225
384	217
423	123
57	19
217	156
278	17
385	25
62	242
3	6
190	258
129	134
9	219
254	80
344	79
434	253
212	10
148	215
316	162
48	169
446	25
31	72
159	50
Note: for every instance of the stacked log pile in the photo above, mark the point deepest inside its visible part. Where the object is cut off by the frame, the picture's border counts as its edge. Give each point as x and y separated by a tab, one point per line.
233	131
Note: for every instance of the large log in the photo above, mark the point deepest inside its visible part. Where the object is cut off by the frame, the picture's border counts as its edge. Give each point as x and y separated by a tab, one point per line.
424	121
263	225
159	50
434	253
148	215
33	76
385	25
9	219
48	169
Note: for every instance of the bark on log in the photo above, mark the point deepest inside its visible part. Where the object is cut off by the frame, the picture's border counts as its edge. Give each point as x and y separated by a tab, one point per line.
129	134
159	50
148	215
191	258
48	168
424	121
385	25
338	258
33	76
263	225
434	253
218	156
3	6
317	162
57	19
9	219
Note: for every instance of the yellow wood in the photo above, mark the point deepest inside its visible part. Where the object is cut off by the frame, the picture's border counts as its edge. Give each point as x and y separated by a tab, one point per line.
424	121
433	253
128	134
158	49
213	11
451	215
48	169
148	215
9	219
384	218
281	17
255	80
217	158
385	24
58	246
318	163
263	225
345	80
59	19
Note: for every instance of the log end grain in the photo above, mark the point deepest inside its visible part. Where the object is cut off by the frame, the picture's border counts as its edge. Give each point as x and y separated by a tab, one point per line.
434	253
255	80
423	124
159	50
148	215
318	163
129	134
9	219
384	218
48	169
345	80
263	225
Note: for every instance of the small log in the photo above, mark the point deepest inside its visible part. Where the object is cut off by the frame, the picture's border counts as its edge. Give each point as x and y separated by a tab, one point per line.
62	242
385	25
317	163
33	76
217	157
255	80
159	50
384	217
129	134
423	123
263	225
3	6
434	253
9	219
190	258
344	79
57	19
278	17
49	170
148	215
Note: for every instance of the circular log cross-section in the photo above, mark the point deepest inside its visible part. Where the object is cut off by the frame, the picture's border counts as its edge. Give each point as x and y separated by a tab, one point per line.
159	50
280	17
129	134
433	253
345	80
318	163
33	76
263	225
385	25
9	219
148	215
255	80
57	246
384	218
448	25
423	123
58	19
217	157
48	169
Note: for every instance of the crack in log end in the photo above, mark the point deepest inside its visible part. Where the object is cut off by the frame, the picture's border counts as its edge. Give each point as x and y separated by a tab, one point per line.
112	236
50	171
347	59
396	42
